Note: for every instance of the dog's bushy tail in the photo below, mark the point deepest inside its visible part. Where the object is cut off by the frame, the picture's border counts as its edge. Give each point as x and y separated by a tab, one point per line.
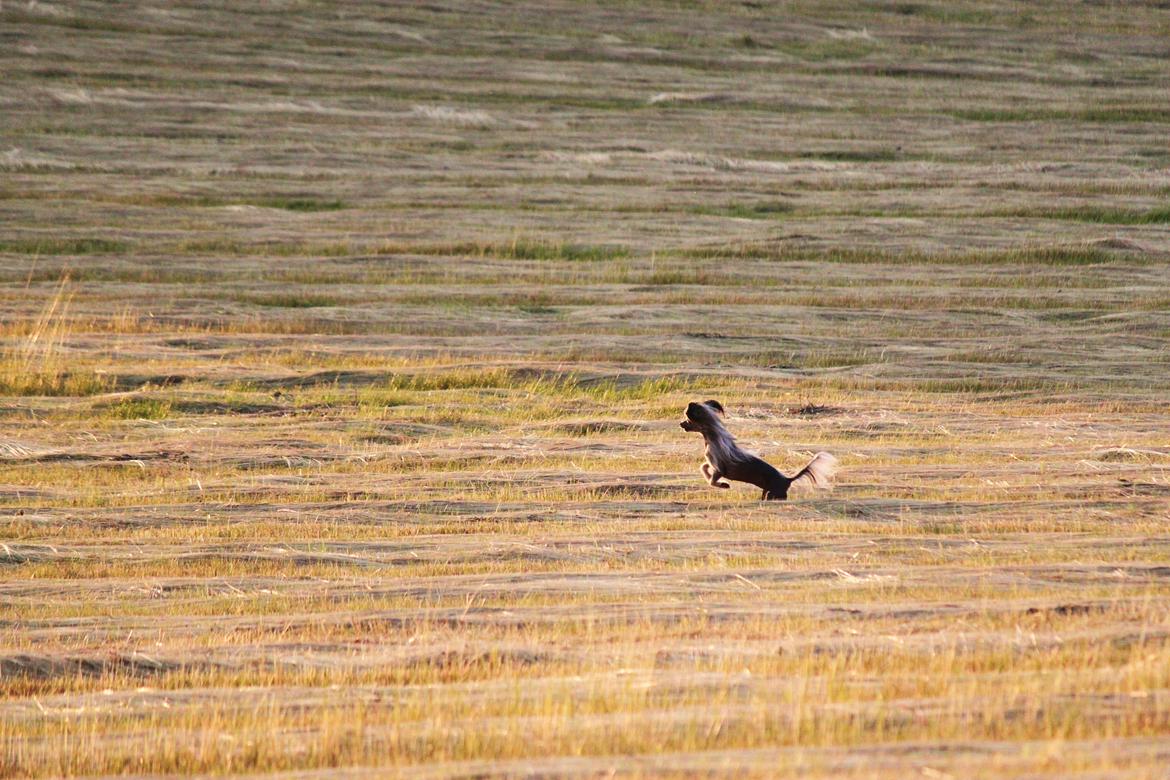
819	471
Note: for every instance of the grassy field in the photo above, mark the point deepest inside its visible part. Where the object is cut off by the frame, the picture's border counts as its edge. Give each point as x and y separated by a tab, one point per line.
343	348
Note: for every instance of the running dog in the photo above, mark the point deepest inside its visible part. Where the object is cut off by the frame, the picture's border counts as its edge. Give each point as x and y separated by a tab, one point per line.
726	459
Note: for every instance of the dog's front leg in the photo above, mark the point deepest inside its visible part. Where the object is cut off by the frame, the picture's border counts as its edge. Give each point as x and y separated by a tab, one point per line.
713	476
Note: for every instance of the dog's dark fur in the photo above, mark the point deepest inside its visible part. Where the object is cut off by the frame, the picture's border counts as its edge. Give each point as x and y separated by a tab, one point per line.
726	459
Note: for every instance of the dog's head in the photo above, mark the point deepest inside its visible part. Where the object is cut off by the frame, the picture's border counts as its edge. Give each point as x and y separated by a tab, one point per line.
703	417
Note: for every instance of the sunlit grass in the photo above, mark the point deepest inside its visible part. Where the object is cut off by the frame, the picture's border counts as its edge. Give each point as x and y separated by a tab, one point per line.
36	365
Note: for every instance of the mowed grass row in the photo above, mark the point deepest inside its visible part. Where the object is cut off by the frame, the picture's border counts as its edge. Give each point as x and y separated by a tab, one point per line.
394	725
1037	641
508	434
764	691
743	663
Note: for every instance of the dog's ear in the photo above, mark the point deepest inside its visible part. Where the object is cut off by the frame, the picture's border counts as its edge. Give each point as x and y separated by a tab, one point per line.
716	406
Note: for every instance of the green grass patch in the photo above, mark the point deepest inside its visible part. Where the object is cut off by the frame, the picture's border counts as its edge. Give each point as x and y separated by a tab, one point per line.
1025	255
763	210
63	246
661	277
946	13
456	379
139	409
539	250
225	246
992	385
516	249
853	155
1096	214
302	203
637	390
537	382
291	300
816	359
1097	114
811	49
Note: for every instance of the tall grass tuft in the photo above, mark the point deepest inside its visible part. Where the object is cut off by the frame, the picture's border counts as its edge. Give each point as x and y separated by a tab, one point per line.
35	365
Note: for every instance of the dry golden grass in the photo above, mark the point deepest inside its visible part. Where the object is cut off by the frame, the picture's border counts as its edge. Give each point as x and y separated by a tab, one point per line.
342	354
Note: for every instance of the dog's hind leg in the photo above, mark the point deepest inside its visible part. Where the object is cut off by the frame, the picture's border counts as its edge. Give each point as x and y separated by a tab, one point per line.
713	476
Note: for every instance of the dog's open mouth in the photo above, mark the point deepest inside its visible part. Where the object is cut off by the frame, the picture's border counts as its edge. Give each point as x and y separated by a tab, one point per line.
687	425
